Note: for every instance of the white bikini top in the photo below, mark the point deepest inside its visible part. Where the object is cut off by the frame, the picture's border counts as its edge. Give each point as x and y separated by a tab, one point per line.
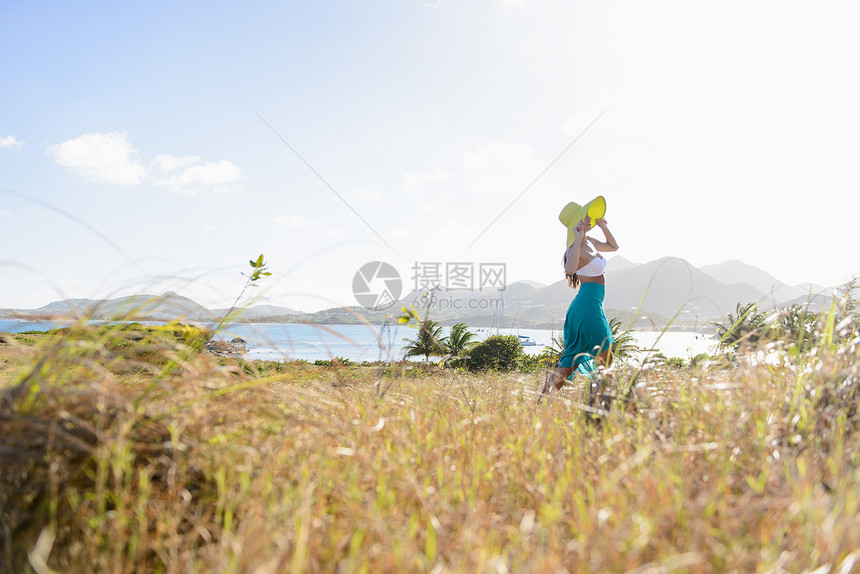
594	268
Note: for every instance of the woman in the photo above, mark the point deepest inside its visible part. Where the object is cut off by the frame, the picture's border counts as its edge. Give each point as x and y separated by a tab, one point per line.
587	336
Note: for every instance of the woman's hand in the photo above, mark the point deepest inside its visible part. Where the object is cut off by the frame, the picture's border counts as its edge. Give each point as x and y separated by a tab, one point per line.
581	235
601	223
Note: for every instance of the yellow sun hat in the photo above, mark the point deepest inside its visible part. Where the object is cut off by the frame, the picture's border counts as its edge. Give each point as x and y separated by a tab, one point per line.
573	213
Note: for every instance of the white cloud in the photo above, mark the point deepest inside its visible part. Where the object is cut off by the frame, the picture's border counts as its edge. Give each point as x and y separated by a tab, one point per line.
218	177
110	158
11	141
501	167
171	162
106	158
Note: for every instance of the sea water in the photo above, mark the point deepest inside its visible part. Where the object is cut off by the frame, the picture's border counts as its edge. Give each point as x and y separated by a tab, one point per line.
279	342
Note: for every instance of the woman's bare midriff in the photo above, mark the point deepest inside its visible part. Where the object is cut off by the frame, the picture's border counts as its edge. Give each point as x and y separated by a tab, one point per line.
600	279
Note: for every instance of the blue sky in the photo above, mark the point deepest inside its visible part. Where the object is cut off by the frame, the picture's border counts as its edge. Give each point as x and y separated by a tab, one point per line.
133	156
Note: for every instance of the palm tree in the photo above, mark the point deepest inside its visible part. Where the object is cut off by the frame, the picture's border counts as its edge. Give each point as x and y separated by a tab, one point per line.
459	341
428	342
796	324
745	327
552	352
624	343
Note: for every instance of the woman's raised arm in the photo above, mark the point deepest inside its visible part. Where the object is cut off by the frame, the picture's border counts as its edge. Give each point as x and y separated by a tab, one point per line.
610	244
571	256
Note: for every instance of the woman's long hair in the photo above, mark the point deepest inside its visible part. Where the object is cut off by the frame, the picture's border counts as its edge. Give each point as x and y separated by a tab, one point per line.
572	279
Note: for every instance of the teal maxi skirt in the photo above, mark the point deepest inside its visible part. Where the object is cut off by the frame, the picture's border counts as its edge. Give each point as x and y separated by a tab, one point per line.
586	330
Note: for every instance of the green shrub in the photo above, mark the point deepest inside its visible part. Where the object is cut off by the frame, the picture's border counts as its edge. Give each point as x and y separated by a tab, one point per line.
676	362
498	352
334	362
37	332
538	363
262	368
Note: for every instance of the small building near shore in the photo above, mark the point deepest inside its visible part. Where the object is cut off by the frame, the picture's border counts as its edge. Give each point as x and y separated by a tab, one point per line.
235	346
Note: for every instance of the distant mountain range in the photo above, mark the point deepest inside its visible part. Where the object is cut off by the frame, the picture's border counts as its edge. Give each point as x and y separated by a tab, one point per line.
165	307
668	290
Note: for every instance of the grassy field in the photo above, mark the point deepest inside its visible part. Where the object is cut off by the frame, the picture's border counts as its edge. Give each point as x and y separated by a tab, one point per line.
134	452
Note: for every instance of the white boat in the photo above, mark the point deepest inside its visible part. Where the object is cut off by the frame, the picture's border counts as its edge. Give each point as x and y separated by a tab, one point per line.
526	341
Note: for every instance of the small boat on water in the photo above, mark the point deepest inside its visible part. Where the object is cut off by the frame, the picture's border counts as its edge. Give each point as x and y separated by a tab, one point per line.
526	341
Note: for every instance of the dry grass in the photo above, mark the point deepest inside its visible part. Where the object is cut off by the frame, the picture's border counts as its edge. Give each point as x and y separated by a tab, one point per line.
188	464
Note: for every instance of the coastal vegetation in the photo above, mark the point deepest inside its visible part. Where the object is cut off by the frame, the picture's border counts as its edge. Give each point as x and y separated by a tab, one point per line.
130	448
